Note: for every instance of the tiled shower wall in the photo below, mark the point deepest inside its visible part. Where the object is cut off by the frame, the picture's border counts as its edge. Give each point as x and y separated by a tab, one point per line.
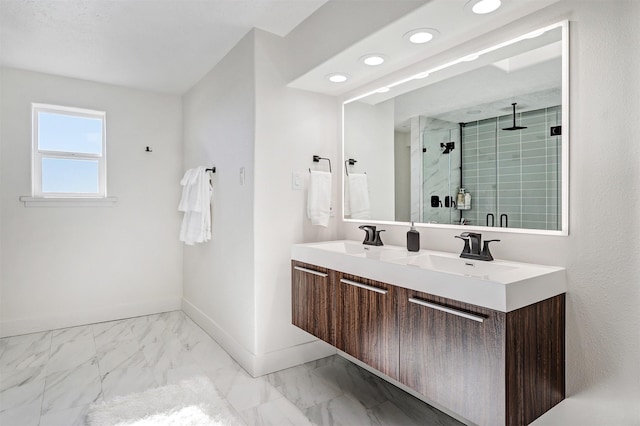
514	173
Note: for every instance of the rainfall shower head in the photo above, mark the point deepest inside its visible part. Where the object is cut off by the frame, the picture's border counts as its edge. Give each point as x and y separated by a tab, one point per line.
514	127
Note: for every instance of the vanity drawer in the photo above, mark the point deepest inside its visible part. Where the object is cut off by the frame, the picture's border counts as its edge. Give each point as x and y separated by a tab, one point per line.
312	300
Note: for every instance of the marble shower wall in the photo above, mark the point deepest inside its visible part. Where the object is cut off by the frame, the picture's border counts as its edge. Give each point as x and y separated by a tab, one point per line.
440	172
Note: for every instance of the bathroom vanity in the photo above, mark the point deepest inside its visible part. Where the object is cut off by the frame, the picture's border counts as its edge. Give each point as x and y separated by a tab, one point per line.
482	339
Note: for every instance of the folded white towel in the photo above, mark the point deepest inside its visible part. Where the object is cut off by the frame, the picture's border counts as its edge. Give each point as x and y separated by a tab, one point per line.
196	205
357	196
319	198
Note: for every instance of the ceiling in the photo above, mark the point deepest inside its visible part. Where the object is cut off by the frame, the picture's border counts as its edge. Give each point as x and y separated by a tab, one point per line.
169	45
158	45
453	20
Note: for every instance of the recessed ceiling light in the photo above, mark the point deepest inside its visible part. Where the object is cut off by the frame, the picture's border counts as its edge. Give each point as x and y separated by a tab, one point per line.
383	90
373	59
421	35
337	78
421	75
485	6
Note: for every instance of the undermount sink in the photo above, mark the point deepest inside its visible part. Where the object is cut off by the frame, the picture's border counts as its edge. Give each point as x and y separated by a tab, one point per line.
453	264
501	285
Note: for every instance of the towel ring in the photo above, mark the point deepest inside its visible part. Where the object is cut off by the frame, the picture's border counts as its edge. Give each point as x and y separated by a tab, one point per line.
317	158
351	162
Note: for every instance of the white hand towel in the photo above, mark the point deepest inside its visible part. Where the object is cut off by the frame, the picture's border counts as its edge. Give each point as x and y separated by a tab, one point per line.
196	205
358	192
319	198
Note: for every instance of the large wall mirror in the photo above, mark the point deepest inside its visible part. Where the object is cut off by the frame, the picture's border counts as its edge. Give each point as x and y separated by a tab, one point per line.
493	124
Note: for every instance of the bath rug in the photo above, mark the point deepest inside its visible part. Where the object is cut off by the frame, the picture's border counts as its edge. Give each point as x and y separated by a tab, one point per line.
192	402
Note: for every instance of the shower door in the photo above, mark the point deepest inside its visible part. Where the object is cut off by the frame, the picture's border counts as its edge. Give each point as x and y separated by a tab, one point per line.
514	176
440	171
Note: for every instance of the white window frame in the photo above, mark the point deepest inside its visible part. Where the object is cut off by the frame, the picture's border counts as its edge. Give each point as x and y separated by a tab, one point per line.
38	154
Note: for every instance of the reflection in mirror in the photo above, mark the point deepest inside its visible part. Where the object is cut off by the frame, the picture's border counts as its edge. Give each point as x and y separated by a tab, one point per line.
480	143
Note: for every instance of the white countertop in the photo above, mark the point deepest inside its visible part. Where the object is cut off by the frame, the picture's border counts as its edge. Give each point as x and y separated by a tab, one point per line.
499	284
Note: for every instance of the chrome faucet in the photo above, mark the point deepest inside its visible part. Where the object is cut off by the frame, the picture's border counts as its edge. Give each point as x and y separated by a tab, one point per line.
471	248
372	237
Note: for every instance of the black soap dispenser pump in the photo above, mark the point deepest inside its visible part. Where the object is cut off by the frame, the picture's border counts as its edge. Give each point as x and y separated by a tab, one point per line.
413	239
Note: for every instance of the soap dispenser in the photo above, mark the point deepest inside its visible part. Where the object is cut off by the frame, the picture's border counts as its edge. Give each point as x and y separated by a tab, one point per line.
413	239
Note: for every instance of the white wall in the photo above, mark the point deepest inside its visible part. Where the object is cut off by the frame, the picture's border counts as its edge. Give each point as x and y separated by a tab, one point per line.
66	266
291	126
370	133
219	117
601	252
238	285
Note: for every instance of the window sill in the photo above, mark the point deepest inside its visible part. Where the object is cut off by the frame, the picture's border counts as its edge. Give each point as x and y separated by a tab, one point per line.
68	202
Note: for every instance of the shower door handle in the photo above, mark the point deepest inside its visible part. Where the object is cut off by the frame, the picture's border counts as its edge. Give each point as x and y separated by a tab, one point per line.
493	219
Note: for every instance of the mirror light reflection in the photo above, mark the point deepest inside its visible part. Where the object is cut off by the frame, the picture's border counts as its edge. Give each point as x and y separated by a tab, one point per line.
448	149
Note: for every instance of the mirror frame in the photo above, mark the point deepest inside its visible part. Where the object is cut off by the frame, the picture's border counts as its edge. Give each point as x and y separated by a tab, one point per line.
564	231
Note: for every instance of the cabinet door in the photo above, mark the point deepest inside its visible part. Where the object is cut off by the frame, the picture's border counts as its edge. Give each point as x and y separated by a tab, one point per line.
453	353
366	322
312	300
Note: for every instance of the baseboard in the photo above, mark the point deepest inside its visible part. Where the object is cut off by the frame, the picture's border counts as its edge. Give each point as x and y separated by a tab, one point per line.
242	355
258	365
292	356
19	326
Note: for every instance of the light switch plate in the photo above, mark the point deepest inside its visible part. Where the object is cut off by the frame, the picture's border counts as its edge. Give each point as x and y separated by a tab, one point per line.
296	180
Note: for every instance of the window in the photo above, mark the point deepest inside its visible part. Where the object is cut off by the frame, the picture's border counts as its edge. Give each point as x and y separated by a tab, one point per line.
69	152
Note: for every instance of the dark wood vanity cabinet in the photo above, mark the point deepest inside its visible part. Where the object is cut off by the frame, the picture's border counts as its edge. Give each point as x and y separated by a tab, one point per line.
453	353
490	367
367	322
312	296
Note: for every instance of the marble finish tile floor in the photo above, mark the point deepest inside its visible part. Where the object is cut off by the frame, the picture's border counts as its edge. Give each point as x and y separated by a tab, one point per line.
51	378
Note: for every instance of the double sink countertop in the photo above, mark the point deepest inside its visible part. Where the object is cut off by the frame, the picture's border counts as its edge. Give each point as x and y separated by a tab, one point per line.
499	284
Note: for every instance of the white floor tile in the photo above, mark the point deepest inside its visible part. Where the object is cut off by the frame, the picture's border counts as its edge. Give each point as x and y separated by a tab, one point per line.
127	380
106	333
71	334
50	378
340	411
119	355
302	387
70	417
26	415
22	388
23	355
72	354
71	388
279	412
248	392
37	341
